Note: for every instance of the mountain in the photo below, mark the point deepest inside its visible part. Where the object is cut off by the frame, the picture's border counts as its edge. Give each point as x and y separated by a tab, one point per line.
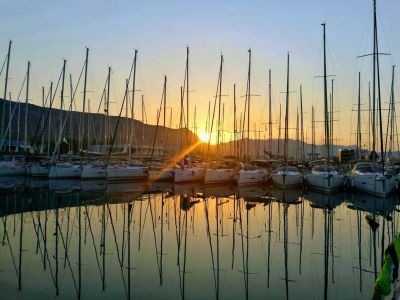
93	132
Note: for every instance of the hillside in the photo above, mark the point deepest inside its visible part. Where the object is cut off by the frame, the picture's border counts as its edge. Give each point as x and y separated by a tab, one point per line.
93	132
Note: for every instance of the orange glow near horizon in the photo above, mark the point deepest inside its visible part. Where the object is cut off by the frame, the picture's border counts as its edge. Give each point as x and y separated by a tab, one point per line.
204	137
180	156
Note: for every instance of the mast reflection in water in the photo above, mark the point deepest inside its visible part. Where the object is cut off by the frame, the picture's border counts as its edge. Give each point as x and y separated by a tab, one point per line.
87	240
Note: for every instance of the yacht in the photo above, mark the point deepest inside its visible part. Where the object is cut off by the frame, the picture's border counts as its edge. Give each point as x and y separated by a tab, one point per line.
369	177
130	172
287	177
189	174
325	178
251	176
223	172
94	171
219	175
39	170
161	174
12	168
65	170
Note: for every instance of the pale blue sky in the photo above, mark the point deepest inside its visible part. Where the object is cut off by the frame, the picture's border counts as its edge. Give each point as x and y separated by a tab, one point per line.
45	32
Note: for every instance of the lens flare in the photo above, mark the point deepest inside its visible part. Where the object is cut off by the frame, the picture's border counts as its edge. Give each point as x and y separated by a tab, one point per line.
204	137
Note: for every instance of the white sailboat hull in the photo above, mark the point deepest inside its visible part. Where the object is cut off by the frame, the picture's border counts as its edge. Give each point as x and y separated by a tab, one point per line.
94	172
127	173
12	170
161	175
376	185
219	176
287	180
189	174
39	171
327	183
250	177
65	171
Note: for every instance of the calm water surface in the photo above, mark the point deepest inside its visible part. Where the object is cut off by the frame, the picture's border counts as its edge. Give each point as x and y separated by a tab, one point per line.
93	240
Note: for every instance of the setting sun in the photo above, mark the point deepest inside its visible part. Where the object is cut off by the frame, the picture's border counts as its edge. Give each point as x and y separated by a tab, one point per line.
204	137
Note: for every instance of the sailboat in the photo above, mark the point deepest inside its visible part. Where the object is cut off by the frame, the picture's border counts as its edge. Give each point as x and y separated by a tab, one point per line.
97	170
218	173
369	176
10	165
160	171
325	177
130	171
63	169
40	169
187	172
287	176
249	175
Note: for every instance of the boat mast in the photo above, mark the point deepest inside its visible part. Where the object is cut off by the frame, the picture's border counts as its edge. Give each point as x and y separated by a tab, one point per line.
394	118
312	133
217	97
26	105
18	122
42	123
373	85
287	114
369	115
106	110
391	122
301	123
142	119
248	106
71	136
49	127
132	107
5	91
223	129
297	134
181	120
219	107
158	119
279	128
84	102
234	123
331	119
126	123
359	117
10	121
194	121
326	114
269	112
62	101
165	117
376	54
187	95
88	125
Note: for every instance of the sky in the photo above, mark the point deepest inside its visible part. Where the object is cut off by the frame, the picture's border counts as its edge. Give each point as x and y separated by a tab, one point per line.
46	32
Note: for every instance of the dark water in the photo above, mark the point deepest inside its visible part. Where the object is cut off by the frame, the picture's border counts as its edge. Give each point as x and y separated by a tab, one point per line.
95	240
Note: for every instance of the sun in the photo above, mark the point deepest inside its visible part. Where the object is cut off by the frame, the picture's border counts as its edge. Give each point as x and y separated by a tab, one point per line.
204	137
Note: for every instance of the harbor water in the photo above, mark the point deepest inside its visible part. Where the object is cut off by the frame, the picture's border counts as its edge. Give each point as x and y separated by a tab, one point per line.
96	240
